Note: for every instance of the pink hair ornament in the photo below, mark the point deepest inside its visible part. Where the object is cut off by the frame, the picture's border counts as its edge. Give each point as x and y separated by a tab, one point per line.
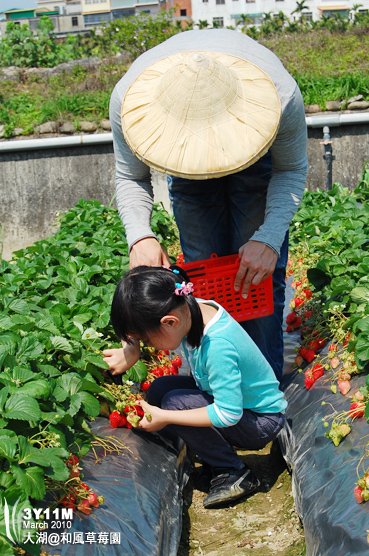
184	289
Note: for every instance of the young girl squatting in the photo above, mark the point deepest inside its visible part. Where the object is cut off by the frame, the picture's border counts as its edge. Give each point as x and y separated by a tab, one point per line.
232	398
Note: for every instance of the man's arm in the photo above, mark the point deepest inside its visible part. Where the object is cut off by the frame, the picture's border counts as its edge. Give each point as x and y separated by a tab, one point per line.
134	196
258	256
289	171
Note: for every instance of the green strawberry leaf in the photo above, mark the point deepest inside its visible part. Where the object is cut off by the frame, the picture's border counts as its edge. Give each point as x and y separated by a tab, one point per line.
138	372
8	447
31	481
61	344
36	389
22	407
90	404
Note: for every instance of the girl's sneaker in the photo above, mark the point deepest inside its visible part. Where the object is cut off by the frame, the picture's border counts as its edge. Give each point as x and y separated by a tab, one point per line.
231	485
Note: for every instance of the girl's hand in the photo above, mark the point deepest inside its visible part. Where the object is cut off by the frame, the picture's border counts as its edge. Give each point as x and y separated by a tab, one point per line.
154	419
121	359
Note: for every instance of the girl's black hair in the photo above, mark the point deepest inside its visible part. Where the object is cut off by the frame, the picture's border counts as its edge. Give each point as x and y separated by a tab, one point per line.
147	293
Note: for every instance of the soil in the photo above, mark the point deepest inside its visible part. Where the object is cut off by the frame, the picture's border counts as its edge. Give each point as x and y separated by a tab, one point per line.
265	524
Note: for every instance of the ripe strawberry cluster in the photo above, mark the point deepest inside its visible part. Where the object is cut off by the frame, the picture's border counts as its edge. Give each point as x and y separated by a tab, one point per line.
79	495
180	259
169	367
128	412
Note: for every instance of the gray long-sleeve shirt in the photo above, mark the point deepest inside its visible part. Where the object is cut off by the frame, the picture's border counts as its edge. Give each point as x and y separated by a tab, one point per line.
134	192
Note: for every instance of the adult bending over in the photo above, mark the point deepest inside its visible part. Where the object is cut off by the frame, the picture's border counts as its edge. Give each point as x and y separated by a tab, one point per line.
219	114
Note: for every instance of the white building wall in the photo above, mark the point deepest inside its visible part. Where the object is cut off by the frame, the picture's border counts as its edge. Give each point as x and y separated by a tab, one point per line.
231	9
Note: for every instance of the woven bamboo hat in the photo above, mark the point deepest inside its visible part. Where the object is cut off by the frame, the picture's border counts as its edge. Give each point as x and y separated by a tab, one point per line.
201	115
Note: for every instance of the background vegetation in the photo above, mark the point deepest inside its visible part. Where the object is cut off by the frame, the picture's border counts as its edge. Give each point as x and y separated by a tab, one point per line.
328	58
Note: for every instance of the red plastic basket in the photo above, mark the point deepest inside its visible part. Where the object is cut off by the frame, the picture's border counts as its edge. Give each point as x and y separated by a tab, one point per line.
214	278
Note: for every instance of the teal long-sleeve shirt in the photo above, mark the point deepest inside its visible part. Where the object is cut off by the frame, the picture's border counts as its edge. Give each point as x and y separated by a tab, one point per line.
230	367
134	193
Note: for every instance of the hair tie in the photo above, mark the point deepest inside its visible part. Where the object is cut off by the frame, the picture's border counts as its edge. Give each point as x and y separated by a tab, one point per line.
184	289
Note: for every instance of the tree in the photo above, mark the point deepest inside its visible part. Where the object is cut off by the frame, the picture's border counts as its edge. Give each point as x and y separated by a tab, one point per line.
202	24
300	7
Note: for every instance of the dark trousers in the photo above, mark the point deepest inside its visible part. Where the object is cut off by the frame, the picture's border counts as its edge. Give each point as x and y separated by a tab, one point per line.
215	446
219	216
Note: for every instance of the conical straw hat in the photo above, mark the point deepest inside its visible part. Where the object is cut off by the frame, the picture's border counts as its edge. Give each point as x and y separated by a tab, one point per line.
201	115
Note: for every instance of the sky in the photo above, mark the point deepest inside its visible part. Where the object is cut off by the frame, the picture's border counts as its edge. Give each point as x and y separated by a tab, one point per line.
9	4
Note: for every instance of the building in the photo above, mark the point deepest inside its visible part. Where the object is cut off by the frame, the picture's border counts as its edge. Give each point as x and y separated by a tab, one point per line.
79	16
65	15
225	13
182	9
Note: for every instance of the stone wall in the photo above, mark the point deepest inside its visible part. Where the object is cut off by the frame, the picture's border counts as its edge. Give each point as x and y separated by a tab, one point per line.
36	185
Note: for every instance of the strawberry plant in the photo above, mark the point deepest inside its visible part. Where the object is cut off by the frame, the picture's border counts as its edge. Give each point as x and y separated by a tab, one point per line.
329	264
330	237
126	411
55	311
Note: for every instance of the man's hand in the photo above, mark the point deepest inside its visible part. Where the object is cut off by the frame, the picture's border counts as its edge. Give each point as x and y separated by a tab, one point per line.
154	418
257	262
122	359
148	251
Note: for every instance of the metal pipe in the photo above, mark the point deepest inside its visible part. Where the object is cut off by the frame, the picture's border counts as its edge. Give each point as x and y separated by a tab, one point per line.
101	138
337	119
56	142
328	156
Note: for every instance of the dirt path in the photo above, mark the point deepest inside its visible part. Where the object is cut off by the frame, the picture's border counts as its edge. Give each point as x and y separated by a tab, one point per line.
264	525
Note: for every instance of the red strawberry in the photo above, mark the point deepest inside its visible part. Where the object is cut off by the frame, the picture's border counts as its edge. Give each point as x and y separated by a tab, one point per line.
307	354
68	501
117	419
297	323
344	386
309	379
321	342
357	410
139	411
332	347
93	500
347	339
291	317
158	371
145	385
308	293
84	507
297	302
317	370
72	460
177	361
358	494
307	315
180	259
313	345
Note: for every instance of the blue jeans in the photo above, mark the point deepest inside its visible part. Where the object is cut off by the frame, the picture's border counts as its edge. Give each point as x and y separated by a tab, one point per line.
219	216
214	446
